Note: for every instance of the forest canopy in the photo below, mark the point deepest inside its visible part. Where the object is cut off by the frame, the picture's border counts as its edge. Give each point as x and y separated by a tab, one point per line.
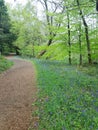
56	30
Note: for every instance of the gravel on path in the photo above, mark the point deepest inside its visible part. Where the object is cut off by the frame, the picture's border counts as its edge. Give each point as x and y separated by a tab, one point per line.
17	93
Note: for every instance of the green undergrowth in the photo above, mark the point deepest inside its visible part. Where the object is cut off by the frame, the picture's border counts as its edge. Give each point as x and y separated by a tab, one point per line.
4	64
67	97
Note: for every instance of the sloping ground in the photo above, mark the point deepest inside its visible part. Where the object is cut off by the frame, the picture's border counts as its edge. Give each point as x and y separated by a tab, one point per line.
68	97
17	92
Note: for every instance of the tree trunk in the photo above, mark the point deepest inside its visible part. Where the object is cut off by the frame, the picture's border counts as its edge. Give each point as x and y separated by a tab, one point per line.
33	50
44	51
86	34
17	49
69	41
80	45
1	51
50	22
17	52
96	5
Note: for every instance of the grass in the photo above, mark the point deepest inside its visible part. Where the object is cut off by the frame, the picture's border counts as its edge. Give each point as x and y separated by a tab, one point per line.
4	64
67	98
91	70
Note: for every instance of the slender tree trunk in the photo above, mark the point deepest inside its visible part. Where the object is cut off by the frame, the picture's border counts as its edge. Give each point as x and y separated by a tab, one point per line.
50	41
33	51
17	50
69	40
49	23
80	45
1	41
97	5
86	34
1	49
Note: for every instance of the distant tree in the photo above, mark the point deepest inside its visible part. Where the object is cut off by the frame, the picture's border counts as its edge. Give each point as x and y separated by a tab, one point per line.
97	5
69	37
86	32
27	29
51	9
4	27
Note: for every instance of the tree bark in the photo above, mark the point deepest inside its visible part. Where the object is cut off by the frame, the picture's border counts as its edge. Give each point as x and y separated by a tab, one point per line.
69	40
80	45
96	5
86	33
50	22
44	51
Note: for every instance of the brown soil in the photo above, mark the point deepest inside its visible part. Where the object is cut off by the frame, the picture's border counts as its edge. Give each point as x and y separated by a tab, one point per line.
17	93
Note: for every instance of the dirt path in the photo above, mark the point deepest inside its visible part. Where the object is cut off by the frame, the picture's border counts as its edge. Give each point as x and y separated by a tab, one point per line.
17	92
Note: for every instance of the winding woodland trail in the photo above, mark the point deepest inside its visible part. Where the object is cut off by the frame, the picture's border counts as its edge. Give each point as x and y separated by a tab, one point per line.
17	93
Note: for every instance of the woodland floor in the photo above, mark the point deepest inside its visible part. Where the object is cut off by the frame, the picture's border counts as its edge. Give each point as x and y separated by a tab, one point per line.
17	93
